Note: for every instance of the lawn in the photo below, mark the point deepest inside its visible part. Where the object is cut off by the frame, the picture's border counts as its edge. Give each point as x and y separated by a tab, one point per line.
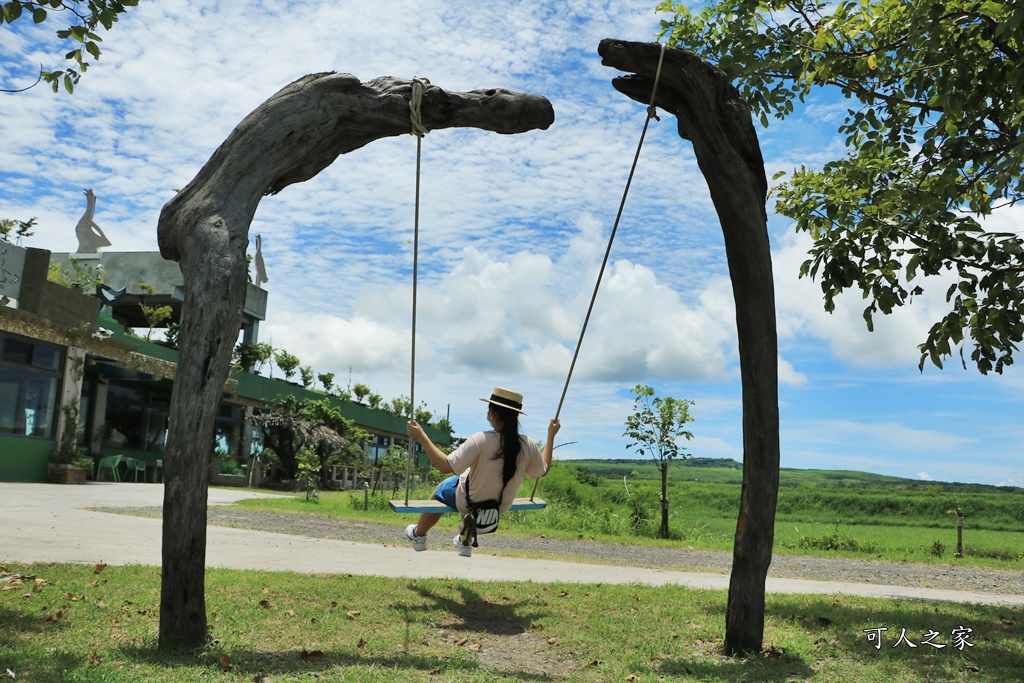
856	515
69	623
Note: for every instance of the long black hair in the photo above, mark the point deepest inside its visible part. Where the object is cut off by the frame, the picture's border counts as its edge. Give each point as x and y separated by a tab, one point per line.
510	443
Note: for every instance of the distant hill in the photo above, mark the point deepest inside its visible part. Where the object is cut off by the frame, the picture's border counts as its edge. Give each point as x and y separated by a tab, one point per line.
728	471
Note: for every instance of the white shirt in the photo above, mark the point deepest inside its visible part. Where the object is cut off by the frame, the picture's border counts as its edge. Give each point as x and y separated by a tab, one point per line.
477	454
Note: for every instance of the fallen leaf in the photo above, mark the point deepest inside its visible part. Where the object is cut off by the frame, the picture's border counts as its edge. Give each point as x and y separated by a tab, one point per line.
631	677
71	597
290	613
99	567
333	603
54	617
312	620
100	603
594	662
462	642
260	677
265	604
315	655
475	647
563	594
974	669
551	641
352	615
94	659
225	662
361	643
94	584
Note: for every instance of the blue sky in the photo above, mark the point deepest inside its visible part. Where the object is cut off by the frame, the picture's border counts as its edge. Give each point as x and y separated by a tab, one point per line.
512	230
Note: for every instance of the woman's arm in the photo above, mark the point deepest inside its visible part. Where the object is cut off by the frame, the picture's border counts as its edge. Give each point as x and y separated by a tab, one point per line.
439	459
549	444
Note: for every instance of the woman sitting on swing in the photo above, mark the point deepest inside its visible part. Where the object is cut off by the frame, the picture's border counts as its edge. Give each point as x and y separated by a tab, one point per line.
498	461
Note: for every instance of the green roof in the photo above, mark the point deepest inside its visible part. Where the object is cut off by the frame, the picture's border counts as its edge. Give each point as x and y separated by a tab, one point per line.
269	390
260	388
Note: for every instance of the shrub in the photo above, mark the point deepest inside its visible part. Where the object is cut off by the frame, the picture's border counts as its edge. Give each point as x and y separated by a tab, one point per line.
837	540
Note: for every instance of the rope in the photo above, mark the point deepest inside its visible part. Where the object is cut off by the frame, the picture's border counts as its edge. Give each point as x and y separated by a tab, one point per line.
419	85
651	114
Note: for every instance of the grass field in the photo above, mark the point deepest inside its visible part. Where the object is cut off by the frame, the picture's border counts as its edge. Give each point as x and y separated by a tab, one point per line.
848	514
67	623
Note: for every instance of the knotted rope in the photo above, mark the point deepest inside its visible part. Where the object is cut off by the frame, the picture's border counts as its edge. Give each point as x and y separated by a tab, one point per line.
419	86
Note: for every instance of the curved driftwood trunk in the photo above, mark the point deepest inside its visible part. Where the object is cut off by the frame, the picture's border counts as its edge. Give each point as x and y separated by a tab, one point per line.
712	116
288	139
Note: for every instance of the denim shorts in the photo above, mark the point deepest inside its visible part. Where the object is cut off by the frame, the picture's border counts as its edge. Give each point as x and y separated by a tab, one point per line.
446	491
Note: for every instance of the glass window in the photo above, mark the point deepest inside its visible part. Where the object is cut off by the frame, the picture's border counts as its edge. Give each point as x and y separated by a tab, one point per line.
46	358
28	394
17	351
136	418
27	403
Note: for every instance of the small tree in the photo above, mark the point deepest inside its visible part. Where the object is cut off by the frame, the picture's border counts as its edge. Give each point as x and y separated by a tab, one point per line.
287	362
20	229
306	372
654	427
76	276
361	391
253	356
326	379
154	315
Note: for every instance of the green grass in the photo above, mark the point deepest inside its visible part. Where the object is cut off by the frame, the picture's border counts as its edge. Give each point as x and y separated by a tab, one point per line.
876	517
366	629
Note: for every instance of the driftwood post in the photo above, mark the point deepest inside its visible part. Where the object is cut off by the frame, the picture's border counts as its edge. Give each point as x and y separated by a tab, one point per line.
712	116
288	139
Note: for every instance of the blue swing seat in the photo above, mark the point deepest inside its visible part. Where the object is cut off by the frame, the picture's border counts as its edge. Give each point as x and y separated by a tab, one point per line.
420	506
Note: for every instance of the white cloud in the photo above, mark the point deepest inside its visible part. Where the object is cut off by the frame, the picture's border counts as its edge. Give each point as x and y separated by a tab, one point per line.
924	476
801	313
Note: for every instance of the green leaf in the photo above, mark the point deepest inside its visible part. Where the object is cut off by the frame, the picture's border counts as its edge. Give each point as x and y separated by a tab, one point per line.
12	11
93	49
69	84
38	15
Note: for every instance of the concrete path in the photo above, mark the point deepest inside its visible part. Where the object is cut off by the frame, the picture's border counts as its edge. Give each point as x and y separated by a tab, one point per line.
51	523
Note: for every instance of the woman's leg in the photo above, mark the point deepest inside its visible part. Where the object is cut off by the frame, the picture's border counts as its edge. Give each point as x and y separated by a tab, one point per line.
446	489
427	522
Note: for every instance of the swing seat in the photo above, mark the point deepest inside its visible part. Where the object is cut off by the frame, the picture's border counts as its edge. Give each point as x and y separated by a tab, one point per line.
420	506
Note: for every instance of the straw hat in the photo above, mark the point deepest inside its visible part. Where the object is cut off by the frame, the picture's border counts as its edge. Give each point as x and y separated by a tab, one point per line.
506	399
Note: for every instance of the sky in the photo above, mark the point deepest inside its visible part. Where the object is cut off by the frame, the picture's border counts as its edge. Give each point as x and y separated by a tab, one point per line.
512	231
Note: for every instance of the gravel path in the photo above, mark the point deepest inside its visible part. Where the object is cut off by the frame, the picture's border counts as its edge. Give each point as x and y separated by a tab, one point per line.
680	559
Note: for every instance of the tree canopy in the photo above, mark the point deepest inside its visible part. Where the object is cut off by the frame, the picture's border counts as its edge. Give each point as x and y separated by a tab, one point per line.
934	137
86	18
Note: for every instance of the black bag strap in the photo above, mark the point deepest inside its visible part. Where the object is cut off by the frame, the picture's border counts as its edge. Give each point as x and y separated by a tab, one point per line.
469	532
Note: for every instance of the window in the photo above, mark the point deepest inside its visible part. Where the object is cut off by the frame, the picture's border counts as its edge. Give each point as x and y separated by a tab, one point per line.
136	418
29	380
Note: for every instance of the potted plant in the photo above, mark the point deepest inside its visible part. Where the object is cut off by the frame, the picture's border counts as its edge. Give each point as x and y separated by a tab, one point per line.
69	463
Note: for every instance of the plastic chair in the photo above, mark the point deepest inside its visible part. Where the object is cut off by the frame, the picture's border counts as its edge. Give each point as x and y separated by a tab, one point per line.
110	462
136	466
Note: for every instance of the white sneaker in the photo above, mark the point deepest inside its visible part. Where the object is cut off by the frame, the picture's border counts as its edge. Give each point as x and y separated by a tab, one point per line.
464	549
419	543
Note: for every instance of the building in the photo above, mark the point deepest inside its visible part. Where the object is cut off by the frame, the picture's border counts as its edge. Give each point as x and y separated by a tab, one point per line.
64	359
